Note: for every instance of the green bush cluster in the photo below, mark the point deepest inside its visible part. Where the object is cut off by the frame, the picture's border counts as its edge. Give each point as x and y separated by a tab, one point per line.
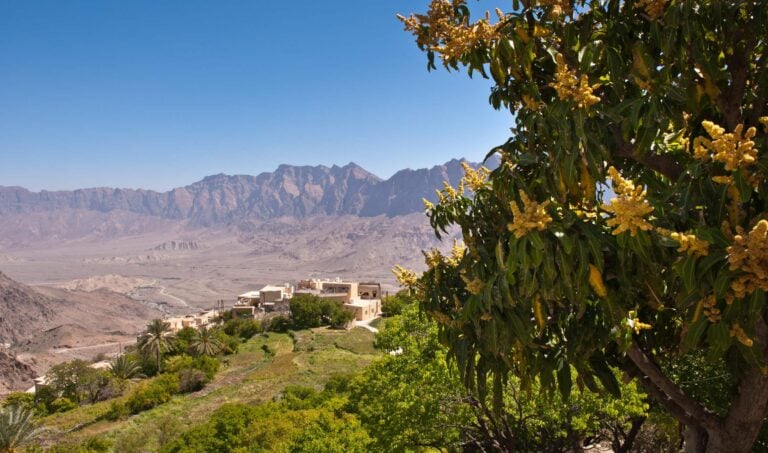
394	305
152	393
242	328
309	311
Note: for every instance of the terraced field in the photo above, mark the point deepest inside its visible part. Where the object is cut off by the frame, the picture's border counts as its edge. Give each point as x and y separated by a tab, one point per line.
259	372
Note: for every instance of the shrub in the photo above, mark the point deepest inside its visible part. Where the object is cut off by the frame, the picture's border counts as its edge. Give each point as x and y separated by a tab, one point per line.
178	363
62	404
183	340
150	394
131	441
208	365
337	315
306	311
191	380
279	324
20	399
117	410
112	389
96	444
242	327
394	305
228	342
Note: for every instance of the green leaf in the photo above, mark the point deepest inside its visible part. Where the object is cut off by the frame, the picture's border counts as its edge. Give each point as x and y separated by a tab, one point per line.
719	340
605	375
693	335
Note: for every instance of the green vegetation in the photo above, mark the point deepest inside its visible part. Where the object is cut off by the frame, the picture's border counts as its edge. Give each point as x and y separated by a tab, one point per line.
251	376
562	278
17	428
308	311
394	305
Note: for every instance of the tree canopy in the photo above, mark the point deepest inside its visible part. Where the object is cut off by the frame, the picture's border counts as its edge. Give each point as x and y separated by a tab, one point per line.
626	224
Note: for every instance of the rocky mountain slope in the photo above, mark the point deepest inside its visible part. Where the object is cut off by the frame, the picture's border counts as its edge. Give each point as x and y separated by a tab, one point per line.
22	310
14	374
289	191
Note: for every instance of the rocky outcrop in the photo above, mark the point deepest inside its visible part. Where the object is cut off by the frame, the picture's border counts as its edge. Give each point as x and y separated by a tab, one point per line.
14	374
22	310
178	245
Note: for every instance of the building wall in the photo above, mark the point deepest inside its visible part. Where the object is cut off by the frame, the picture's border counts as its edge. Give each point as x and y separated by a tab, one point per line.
369	291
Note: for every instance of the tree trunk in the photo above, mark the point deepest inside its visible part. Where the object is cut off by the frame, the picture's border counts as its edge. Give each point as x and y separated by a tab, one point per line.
741	426
694	439
706	432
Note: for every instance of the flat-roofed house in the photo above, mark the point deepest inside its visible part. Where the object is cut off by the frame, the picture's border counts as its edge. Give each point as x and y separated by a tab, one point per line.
341	291
249	298
369	290
364	309
196	320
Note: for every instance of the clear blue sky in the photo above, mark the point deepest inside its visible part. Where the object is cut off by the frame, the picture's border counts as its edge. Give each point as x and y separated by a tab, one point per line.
158	94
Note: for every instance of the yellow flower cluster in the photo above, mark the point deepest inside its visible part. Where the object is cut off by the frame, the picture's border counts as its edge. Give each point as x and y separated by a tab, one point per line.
442	318
689	243
653	8
764	122
433	258
405	277
629	208
474	179
428	205
569	86
474	286
635	324
531	103
558	7
532	217
709	304
734	149
738	332
442	31
457	254
749	254
449	193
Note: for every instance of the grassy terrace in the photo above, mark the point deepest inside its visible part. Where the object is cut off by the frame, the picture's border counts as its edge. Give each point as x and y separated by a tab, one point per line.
260	370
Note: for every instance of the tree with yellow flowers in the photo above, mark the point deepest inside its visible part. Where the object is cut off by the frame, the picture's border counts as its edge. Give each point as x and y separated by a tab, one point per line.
626	225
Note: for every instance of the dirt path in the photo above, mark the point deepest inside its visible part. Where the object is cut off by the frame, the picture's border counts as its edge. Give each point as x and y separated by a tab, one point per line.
367	325
93	346
171	296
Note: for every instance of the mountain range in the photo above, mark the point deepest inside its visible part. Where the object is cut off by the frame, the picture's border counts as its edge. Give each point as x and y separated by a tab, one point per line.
289	191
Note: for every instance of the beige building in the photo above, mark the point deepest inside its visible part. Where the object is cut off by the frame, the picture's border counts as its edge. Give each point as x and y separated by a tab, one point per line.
196	321
268	298
364	309
249	298
361	298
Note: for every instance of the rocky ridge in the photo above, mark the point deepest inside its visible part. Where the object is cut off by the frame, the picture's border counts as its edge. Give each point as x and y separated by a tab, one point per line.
289	191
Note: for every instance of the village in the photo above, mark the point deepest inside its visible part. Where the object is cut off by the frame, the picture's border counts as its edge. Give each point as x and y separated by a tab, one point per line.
361	298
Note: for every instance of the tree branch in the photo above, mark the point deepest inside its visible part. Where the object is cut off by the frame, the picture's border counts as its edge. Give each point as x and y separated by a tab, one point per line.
663	164
665	401
693	411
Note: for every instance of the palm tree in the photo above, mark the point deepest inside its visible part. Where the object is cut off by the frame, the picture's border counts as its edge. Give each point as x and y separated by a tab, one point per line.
17	428
124	367
157	339
205	343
